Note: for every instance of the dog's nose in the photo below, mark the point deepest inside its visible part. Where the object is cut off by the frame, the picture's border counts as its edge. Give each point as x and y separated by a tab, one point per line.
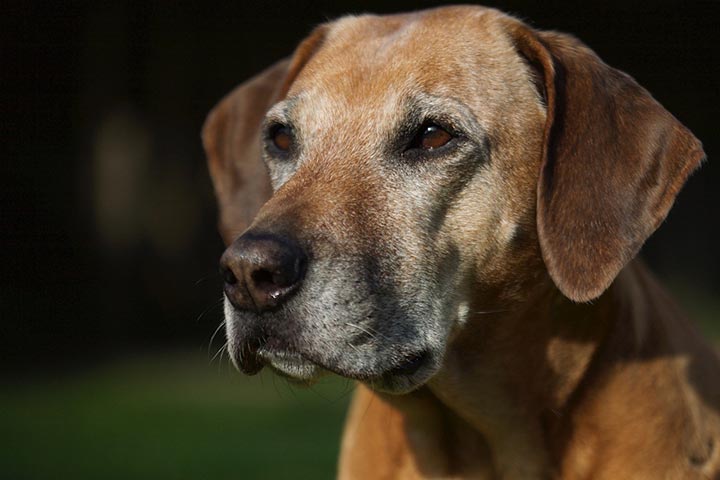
262	270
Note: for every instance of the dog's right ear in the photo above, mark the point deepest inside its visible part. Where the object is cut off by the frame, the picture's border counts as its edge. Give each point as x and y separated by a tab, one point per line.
612	163
231	137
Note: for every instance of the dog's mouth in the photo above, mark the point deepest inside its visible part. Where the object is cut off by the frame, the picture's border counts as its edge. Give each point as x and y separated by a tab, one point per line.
401	375
255	354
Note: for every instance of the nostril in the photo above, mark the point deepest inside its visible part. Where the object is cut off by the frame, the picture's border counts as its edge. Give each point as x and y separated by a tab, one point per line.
277	277
265	279
228	276
262	270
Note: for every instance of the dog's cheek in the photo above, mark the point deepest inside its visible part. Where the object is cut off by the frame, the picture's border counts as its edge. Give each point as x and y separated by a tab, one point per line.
493	231
426	265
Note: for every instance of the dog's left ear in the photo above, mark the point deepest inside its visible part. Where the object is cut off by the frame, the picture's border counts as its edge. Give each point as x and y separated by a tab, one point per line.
613	161
231	137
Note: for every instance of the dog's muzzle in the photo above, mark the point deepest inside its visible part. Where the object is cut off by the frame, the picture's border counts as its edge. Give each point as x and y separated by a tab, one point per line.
261	272
292	316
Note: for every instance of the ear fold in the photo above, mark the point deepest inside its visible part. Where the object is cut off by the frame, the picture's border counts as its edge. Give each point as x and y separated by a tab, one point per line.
231	137
613	161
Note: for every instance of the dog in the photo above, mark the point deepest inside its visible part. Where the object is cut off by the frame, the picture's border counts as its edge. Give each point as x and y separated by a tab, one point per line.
445	206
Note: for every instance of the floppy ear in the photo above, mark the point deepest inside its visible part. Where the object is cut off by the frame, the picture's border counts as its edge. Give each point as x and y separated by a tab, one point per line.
231	137
613	161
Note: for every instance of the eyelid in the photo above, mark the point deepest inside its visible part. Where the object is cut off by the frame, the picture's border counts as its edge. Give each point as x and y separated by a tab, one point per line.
440	122
444	122
273	122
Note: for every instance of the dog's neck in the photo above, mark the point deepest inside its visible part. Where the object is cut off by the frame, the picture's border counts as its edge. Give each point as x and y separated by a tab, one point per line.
517	376
512	374
522	378
554	390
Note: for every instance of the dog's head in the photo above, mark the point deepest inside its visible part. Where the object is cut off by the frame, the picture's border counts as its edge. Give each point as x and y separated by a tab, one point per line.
404	171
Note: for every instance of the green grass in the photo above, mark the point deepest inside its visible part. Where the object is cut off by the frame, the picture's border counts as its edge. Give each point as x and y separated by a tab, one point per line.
178	417
703	308
172	417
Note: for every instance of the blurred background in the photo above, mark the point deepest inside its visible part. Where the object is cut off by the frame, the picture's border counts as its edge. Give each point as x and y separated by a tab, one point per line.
109	295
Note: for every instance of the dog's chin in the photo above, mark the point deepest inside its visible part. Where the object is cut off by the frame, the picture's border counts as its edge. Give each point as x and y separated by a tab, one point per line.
404	376
292	366
409	375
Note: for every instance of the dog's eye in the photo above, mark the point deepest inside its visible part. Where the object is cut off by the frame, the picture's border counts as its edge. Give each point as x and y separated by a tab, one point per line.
430	136
282	138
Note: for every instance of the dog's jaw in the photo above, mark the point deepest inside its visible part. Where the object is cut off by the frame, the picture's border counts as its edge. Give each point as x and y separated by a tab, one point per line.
251	349
403	370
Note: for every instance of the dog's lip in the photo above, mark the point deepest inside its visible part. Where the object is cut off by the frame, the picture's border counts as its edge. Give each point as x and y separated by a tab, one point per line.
292	365
269	354
260	351
250	362
263	351
257	355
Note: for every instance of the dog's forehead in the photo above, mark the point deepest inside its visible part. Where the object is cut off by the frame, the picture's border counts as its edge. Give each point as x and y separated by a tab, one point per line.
377	62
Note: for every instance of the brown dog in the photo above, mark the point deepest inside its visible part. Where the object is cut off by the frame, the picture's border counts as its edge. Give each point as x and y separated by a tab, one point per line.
454	201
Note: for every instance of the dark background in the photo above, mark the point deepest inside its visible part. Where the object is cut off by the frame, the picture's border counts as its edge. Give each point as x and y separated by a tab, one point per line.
107	226
108	245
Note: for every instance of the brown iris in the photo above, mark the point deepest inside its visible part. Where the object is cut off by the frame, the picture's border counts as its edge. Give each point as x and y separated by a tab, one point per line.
430	137
282	137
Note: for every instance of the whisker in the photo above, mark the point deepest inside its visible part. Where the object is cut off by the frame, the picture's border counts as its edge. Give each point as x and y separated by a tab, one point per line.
362	329
228	361
353	347
212	338
219	352
290	387
367	329
372	399
323	397
202	279
277	390
347	389
208	309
